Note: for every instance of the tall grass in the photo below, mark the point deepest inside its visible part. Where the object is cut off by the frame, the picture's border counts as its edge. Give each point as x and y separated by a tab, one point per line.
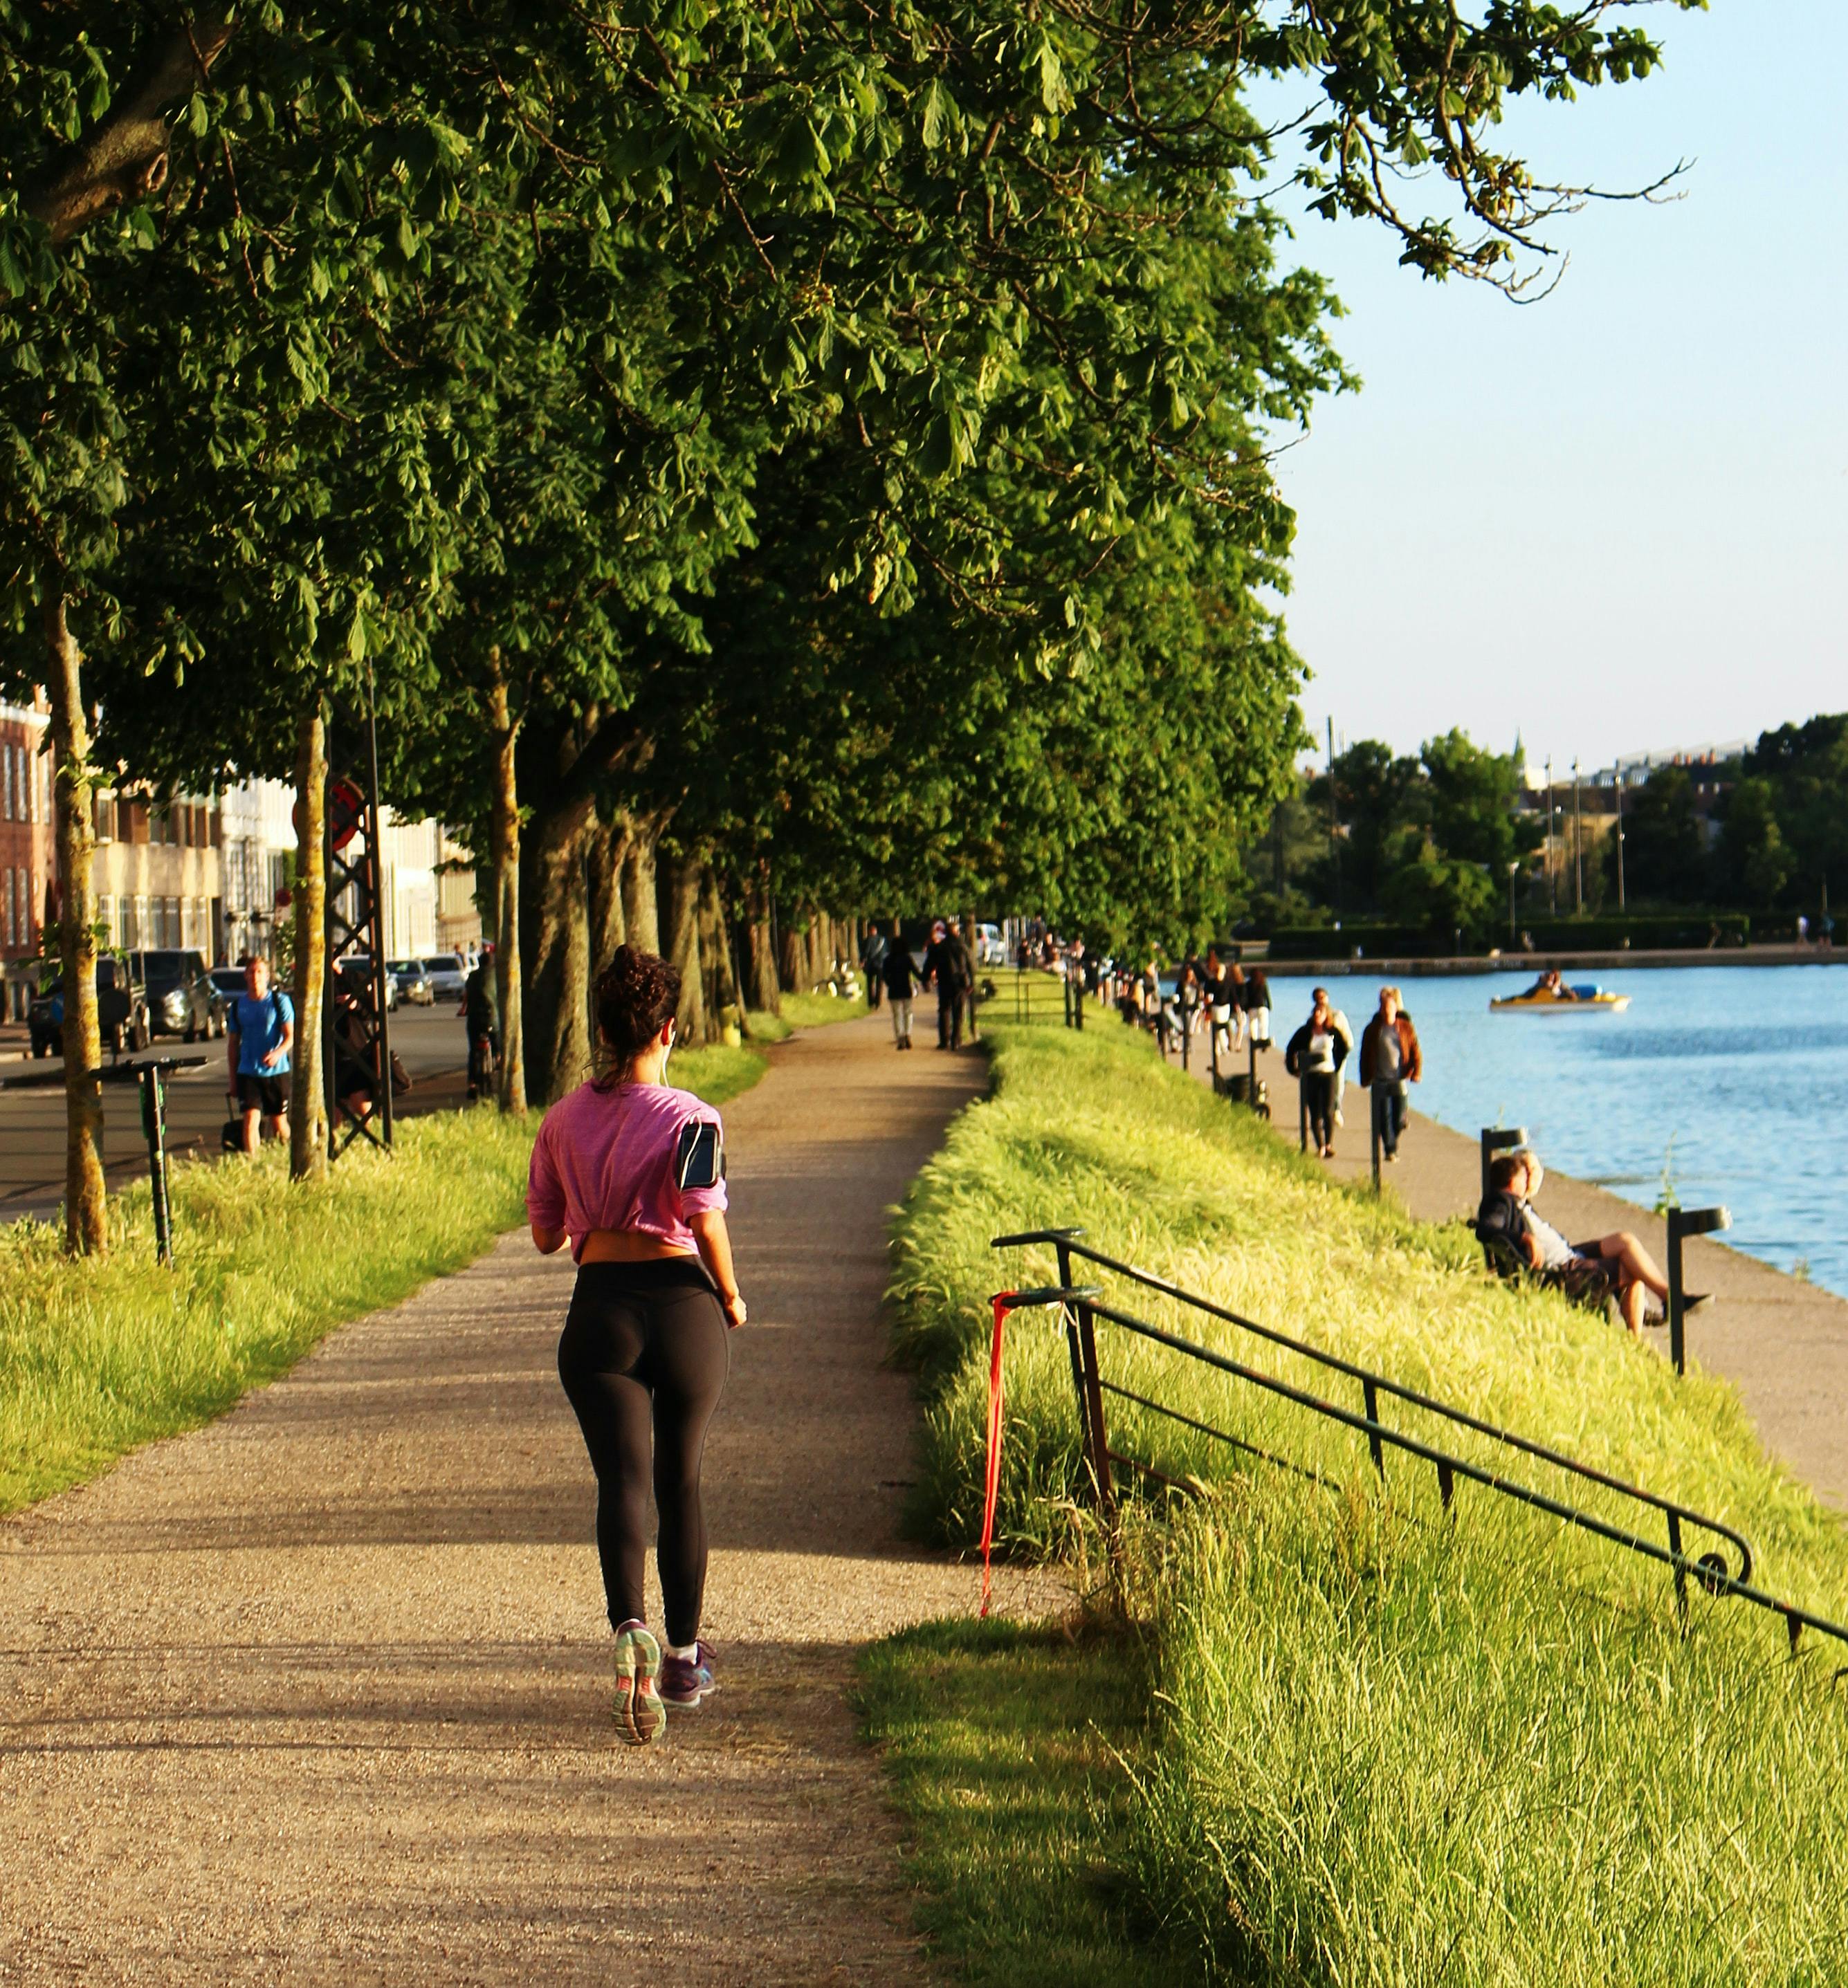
97	1356
1396	1749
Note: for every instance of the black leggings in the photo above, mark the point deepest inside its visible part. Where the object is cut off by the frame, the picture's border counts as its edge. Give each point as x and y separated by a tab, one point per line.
1319	1085
642	1341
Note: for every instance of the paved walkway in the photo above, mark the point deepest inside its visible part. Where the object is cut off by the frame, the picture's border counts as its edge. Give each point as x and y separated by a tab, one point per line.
317	1695
1782	1343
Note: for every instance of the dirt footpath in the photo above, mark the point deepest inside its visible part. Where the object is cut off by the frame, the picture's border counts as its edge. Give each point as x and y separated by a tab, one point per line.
319	1694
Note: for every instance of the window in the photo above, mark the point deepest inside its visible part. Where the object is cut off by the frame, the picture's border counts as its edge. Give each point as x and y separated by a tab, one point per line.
106	912
6	789
8	903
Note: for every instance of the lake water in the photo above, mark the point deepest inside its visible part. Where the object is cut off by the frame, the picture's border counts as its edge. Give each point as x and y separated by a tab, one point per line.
1731	1081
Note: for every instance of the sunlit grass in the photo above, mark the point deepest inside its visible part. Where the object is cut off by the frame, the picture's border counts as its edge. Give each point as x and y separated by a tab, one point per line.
1397	1749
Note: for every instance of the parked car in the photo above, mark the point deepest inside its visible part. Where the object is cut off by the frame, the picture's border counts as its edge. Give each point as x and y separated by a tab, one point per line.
991	948
229	982
413	983
121	1011
182	998
447	975
357	967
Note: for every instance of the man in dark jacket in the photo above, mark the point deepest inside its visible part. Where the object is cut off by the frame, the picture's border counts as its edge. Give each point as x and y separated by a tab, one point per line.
481	1013
946	968
873	959
1390	1061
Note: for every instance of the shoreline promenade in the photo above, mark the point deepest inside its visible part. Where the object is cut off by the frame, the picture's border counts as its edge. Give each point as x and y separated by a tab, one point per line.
1783	1343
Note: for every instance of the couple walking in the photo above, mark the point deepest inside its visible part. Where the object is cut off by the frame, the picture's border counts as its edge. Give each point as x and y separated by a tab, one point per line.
947	967
1390	1061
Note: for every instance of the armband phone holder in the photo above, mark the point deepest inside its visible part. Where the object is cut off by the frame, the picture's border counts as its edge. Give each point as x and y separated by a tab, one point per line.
699	1158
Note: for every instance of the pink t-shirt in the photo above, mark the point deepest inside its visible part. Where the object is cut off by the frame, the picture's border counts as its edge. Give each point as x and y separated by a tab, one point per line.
605	1159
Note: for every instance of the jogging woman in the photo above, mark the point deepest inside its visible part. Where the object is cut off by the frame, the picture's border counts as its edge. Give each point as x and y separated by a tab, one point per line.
630	1172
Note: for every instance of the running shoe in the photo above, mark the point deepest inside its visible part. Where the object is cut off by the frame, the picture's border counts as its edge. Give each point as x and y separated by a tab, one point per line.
685	1681
640	1715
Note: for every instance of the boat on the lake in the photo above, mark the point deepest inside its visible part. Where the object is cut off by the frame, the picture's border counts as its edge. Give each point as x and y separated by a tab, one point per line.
1584	999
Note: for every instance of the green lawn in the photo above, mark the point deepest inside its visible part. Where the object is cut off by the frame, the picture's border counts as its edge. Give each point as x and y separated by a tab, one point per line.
1390	1749
1009	1747
97	1356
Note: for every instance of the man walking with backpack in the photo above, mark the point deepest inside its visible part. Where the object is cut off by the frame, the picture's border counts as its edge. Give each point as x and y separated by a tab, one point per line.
259	1034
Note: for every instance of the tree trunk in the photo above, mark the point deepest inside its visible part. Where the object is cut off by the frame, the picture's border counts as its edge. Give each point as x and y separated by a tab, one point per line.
641	912
86	1229
604	843
820	963
123	156
307	1082
722	990
555	948
503	855
765	984
684	875
792	957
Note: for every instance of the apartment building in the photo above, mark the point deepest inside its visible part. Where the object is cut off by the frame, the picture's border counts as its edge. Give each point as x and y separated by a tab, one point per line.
156	876
256	860
27	863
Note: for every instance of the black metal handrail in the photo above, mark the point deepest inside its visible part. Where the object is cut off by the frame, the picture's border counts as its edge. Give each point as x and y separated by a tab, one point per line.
1082	1310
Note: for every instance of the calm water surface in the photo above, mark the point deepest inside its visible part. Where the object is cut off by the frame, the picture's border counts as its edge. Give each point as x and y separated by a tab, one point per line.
1728	1081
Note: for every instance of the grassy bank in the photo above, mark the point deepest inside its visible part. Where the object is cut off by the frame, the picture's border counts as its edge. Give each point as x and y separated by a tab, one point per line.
97	1357
1390	1749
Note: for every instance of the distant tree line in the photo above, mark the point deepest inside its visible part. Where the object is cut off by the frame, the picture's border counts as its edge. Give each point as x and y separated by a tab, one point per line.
1428	840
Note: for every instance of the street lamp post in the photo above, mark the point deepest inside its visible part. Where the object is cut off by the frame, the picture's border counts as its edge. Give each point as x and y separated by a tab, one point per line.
1619	834
1552	867
1513	870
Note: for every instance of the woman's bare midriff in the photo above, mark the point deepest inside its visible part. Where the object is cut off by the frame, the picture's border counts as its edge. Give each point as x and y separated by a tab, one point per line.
628	1245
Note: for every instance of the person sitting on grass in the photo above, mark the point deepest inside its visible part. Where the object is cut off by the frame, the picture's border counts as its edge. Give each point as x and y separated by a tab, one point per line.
1618	1259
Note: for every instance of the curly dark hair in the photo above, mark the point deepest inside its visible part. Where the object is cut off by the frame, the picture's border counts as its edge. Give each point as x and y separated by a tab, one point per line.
635	995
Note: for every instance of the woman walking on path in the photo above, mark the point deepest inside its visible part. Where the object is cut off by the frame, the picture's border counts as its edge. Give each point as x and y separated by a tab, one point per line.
1390	1059
898	973
631	1172
1258	1008
1315	1056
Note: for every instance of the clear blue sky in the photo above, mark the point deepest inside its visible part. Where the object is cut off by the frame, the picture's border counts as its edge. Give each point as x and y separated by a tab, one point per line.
1616	520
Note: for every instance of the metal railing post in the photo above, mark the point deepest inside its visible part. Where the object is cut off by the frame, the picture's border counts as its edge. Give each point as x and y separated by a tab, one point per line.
153	1123
1684	1222
1496	1139
1186	1020
1302	1111
1376	1093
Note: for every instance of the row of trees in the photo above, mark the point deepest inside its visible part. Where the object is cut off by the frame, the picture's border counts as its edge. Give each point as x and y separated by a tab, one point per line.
1429	840
1424	839
1782	818
806	454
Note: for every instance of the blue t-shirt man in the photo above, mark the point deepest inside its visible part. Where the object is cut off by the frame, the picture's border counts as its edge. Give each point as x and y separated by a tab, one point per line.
261	1022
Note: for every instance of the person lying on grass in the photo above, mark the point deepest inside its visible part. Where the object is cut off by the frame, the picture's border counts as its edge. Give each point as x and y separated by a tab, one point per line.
1619	1259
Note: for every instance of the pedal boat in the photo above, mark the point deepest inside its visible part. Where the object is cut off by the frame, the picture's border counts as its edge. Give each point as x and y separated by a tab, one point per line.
1585	1000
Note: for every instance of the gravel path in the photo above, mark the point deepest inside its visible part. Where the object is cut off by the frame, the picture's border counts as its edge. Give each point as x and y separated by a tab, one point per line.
318	1694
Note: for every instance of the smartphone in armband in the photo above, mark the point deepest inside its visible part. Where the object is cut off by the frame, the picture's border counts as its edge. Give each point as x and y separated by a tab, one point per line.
699	1161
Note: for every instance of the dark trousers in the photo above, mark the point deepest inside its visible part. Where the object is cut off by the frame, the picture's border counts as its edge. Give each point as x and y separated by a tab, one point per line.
1390	1103
950	1017
646	1344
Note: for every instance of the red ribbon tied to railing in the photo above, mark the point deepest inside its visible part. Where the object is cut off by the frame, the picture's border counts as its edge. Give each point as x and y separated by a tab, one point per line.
991	1479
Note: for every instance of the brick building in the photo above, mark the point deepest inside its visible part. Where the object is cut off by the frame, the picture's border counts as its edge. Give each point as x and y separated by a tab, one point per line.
26	848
